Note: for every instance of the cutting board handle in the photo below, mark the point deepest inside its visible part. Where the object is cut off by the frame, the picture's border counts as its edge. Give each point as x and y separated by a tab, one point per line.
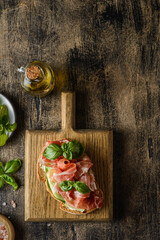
68	110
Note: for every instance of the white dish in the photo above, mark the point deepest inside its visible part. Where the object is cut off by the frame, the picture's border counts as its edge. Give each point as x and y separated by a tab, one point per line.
12	116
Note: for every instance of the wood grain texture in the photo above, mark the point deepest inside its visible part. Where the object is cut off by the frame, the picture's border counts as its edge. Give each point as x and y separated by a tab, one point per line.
108	51
39	205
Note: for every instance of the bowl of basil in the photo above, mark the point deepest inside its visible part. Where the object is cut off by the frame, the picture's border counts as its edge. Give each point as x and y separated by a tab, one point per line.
7	119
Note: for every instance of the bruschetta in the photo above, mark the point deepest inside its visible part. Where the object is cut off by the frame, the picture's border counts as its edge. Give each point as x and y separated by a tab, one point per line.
67	172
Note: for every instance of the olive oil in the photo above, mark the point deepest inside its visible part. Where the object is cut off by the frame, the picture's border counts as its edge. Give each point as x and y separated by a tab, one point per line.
38	78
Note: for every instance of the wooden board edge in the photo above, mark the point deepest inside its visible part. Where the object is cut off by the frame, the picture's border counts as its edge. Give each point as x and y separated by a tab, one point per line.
26	201
111	176
31	219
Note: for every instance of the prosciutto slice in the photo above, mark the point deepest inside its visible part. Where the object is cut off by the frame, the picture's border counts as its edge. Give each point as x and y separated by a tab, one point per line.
88	203
66	175
89	180
74	170
82	168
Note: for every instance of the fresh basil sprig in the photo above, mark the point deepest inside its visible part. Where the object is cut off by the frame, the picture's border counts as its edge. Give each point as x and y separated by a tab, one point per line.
1	182
79	186
5	126
66	185
10	180
70	150
11	127
53	151
11	166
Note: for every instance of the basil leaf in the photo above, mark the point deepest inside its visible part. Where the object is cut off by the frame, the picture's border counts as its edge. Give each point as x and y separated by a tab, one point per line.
10	180
5	120
3	139
81	187
1	182
1	171
73	149
12	166
52	152
4	117
11	127
1	129
64	147
67	155
66	185
76	148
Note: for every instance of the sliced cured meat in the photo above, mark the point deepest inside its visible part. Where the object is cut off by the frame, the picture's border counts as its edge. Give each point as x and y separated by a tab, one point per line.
64	141
82	167
84	203
66	175
77	194
84	157
98	200
63	163
52	172
89	180
67	195
48	163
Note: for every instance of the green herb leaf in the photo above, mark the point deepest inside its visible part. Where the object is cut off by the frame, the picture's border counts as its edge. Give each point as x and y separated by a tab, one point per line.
72	150
1	164
10	180
3	139
1	171
76	148
66	185
64	147
5	126
1	129
4	117
52	152
5	120
81	187
1	182
67	155
12	166
11	127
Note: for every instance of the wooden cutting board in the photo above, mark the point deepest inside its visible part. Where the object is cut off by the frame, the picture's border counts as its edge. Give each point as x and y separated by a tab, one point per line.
39	205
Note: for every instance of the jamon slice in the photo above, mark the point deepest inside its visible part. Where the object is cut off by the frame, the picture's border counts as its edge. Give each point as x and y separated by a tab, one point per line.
62	169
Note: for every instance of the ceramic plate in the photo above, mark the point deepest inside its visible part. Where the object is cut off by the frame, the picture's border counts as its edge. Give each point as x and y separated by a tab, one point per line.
12	115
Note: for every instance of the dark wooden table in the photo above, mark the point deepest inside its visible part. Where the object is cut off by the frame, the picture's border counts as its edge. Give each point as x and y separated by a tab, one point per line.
108	52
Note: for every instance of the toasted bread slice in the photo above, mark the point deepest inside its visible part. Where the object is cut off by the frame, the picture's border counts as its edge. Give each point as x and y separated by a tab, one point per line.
40	172
42	177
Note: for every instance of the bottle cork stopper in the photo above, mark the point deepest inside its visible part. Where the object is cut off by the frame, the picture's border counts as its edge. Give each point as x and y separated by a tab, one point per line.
33	72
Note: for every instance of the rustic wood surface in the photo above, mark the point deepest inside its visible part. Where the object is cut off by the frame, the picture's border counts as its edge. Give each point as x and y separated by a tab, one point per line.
108	52
98	145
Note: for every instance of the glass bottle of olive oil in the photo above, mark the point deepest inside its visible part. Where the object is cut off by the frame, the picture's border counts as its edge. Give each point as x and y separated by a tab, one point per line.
37	78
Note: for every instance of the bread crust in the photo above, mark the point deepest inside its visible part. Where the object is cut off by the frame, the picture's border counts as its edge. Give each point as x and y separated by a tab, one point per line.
40	173
42	177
